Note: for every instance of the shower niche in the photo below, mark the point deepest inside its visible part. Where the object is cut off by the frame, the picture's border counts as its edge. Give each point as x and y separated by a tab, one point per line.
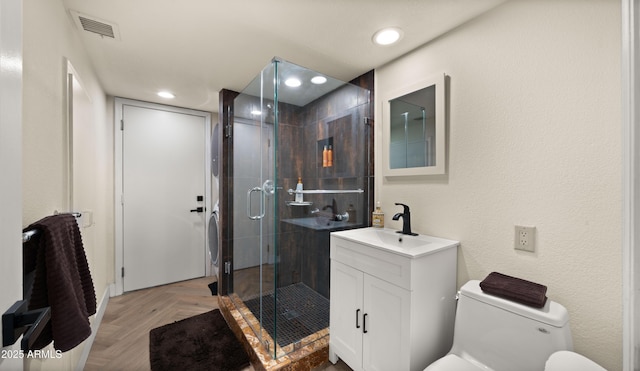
275	250
324	156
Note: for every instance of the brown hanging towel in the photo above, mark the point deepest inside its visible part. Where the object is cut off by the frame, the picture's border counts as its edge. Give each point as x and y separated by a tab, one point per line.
62	281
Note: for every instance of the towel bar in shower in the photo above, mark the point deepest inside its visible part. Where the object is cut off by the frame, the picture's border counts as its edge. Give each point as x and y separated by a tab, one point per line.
326	191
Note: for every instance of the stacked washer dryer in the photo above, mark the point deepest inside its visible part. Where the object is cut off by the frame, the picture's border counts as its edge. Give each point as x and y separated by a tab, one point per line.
212	235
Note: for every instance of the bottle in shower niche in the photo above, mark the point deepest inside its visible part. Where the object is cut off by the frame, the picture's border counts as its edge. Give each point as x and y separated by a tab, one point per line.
329	156
299	196
325	152
377	217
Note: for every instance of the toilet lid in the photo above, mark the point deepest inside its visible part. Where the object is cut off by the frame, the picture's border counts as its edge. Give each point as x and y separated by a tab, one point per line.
452	362
569	361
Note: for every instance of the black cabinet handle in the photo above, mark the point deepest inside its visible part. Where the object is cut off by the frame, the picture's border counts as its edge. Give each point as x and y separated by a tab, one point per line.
357	318
364	323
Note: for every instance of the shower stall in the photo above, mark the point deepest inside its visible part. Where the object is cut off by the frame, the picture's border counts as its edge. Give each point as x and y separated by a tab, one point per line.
292	125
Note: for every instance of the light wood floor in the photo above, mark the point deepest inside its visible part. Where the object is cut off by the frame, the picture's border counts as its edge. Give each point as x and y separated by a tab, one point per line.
122	341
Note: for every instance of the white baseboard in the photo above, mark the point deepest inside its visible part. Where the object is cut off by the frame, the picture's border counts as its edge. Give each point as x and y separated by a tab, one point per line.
95	325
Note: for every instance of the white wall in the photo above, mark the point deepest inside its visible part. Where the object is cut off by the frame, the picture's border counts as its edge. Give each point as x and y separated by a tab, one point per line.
534	139
10	155
50	39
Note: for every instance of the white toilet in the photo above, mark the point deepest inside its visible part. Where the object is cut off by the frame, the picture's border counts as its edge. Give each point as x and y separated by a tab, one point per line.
492	333
569	361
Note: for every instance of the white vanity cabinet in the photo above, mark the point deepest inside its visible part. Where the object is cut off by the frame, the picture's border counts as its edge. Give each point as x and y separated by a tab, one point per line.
392	306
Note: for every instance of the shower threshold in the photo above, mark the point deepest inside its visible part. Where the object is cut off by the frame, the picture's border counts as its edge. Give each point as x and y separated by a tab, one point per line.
311	351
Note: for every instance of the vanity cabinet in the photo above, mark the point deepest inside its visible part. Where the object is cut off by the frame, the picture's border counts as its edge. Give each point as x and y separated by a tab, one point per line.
391	309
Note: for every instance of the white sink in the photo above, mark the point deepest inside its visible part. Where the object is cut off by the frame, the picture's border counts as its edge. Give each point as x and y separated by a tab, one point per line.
389	239
394	238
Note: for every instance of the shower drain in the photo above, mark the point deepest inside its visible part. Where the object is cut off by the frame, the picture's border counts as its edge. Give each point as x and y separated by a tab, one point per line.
290	314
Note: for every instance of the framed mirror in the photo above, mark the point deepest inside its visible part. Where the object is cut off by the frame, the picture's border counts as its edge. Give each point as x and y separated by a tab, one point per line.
413	129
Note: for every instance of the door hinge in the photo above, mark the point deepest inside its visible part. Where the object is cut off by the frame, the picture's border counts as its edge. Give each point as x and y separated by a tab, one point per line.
227	131
122	272
227	267
121	125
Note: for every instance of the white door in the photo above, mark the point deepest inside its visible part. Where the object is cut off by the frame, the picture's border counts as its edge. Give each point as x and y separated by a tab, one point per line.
163	196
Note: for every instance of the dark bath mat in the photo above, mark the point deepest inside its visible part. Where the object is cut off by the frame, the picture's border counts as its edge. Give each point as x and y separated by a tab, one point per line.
202	342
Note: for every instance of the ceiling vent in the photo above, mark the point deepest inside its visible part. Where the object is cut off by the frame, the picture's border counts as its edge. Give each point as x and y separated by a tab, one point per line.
95	25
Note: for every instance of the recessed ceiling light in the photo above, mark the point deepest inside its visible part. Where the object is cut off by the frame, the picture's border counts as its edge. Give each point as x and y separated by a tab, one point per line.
166	94
292	82
387	36
319	80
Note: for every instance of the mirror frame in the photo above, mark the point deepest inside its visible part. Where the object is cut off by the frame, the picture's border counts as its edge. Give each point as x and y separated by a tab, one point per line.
440	123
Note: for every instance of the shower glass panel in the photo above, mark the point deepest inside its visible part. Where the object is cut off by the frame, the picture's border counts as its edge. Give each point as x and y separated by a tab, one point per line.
284	131
410	136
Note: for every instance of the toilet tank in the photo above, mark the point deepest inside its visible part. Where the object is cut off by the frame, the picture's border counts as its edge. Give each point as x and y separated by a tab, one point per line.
504	335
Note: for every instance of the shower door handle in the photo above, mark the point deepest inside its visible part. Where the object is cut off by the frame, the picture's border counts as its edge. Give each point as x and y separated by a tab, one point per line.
261	215
267	189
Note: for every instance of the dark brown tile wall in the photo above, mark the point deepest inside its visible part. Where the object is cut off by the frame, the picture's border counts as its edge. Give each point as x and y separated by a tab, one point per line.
337	118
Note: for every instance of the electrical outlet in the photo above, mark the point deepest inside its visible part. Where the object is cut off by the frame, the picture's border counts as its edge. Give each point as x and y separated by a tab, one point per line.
525	238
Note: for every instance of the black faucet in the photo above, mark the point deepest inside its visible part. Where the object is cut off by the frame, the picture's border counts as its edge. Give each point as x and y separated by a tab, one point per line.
406	220
334	209
336	216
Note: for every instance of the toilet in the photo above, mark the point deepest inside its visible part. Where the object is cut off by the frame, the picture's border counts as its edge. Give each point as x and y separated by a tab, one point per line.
564	360
492	333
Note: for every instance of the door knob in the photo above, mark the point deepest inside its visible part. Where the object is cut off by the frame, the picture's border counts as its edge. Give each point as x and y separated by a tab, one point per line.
197	210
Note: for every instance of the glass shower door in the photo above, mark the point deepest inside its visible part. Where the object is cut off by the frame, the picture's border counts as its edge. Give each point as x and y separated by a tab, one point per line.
254	203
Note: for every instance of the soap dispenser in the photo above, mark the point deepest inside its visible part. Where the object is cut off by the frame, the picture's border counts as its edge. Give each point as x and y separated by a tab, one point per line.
299	196
377	217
